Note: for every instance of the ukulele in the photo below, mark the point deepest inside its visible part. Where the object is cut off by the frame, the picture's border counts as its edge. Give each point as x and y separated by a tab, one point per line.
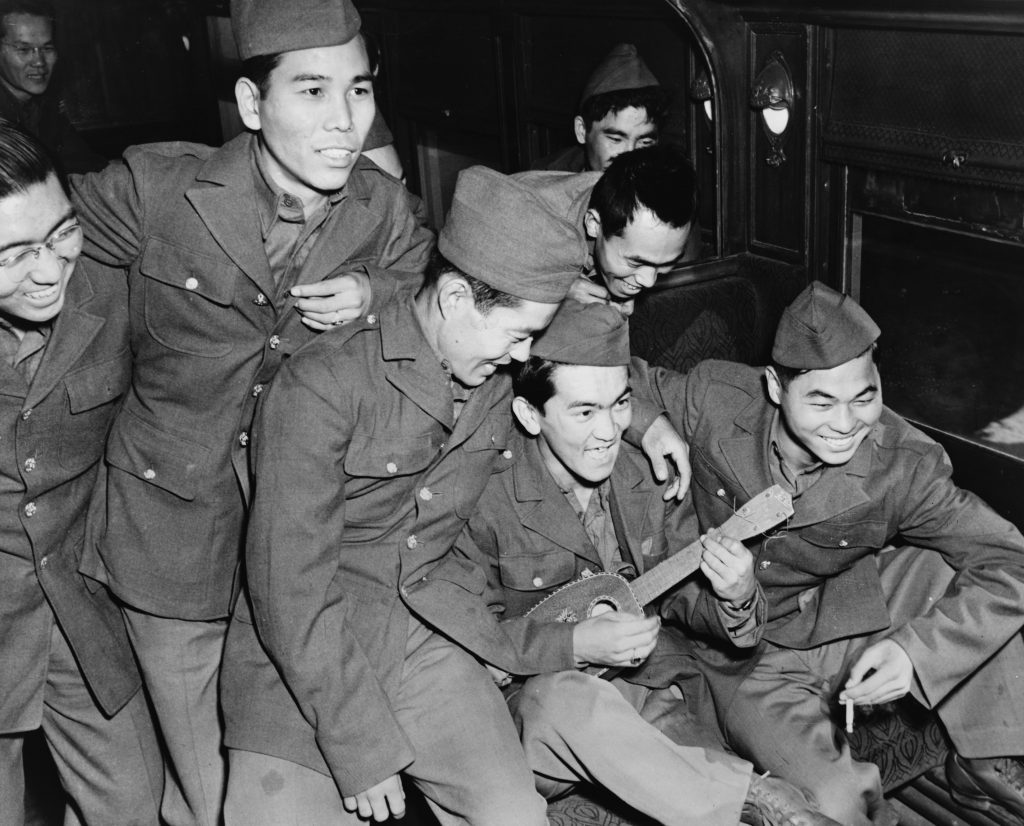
594	594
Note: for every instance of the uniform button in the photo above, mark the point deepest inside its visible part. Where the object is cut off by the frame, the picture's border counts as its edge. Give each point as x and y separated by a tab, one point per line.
537	582
25	414
507	454
442	446
30	465
243	439
720	492
391	467
149	473
275	342
30	509
412	542
260	300
764	564
843	543
426	494
289	201
44	562
191	283
256	390
371	319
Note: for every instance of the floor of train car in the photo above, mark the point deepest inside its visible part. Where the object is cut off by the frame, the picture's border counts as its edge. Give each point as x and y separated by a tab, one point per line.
925	802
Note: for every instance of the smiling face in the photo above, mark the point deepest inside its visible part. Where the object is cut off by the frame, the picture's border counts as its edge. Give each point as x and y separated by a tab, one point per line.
826	414
27	55
617	132
631	262
32	289
580	427
314	117
476	344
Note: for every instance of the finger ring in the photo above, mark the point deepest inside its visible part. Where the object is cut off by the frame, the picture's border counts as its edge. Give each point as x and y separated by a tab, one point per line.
635	659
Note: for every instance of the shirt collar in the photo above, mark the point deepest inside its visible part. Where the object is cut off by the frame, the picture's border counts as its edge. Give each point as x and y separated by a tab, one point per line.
272	202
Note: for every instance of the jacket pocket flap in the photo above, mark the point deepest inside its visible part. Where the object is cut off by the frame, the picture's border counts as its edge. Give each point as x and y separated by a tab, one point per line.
843	535
488	437
379	458
185	269
98	383
162	459
537	572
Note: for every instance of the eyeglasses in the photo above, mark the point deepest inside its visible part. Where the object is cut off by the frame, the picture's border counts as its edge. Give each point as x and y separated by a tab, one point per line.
26	52
64	243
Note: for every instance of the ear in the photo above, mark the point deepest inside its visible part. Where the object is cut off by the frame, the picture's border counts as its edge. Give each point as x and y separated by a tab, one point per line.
774	385
247	96
580	128
592	224
453	295
527	415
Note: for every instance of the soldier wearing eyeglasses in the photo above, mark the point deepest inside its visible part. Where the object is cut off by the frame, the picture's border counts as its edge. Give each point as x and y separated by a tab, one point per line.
66	666
28	56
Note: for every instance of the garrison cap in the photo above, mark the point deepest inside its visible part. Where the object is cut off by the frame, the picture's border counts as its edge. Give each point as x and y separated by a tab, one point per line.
500	232
822	329
621	68
595	335
265	27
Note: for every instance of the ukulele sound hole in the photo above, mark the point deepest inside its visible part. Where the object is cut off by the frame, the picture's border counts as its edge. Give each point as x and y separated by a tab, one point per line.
603	605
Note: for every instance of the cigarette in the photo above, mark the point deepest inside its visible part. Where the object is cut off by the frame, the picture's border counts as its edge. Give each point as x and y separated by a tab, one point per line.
849	716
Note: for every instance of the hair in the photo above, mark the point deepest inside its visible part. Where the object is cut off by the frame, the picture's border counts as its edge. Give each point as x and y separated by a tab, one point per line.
259	68
534	380
787	374
653	99
485	297
24	161
36	8
659	178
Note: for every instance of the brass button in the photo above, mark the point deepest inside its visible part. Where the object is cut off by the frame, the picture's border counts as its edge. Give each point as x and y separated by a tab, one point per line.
371	319
26	414
191	283
243	439
843	543
426	494
30	465
256	390
44	562
720	492
391	467
507	454
537	582
275	342
260	300
764	564
412	542
149	473
30	509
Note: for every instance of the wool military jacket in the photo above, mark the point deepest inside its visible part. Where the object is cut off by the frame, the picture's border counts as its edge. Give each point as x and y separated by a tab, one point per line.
530	543
52	434
209	330
819	572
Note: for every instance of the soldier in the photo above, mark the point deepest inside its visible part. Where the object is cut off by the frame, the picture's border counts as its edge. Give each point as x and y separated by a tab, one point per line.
222	246
67	665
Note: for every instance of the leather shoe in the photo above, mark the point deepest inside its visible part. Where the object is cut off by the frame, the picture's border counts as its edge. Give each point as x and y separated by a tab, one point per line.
772	801
979	782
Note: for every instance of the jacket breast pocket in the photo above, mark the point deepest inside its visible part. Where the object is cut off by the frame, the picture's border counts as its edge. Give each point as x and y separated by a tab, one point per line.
93	397
185	294
371	464
537	572
836	546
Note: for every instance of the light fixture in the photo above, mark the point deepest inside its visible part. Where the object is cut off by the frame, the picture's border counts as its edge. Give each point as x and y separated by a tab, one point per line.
700	91
773	96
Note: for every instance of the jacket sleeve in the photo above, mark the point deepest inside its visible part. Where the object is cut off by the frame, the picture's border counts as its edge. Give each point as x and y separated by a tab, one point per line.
110	209
693	605
981	609
304	601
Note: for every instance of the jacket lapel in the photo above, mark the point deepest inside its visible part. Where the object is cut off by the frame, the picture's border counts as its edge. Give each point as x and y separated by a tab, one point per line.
351	223
630	505
72	332
542	507
225	199
744	452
